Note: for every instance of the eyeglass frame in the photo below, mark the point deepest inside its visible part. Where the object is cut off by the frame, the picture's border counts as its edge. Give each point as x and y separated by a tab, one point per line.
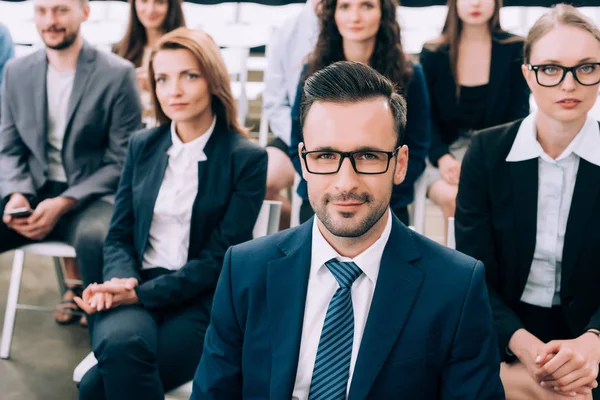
349	155
572	70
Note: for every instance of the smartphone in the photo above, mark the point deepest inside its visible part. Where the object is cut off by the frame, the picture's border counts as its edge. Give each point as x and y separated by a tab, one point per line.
22	212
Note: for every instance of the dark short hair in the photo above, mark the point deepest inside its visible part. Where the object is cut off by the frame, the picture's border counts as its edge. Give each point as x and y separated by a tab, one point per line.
352	82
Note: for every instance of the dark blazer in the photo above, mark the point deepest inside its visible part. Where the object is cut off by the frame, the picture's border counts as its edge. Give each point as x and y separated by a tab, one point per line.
104	109
416	137
231	189
507	97
496	216
429	333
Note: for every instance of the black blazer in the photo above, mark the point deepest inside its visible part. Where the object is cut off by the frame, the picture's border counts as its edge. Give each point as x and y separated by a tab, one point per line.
231	189
507	96
496	218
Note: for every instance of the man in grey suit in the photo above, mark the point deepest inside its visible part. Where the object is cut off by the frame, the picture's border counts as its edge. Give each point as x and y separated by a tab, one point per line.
67	113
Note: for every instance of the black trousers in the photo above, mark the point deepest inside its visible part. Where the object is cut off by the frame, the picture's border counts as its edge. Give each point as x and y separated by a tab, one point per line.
85	229
306	212
141	353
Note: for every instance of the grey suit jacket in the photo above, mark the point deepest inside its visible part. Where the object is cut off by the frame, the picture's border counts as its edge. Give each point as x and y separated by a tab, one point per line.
104	110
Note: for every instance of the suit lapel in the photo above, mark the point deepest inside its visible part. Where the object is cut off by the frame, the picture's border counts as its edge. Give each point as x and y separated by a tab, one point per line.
398	279
85	67
585	196
213	150
287	283
39	101
524	185
499	70
157	164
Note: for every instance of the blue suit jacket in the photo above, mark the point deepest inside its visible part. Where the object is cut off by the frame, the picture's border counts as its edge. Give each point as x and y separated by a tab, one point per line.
429	333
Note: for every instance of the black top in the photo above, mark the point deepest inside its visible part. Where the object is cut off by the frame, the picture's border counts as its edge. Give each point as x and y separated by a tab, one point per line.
470	109
496	215
506	98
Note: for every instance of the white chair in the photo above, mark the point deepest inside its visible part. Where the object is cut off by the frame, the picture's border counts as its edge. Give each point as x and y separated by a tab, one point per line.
419	204
450	236
104	33
236	61
51	249
261	14
182	392
296	202
514	20
200	15
267	223
118	11
419	25
23	32
16	11
22	50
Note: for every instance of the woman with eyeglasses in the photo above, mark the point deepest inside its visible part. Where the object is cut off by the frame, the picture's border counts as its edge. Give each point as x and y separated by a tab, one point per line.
367	31
473	72
528	206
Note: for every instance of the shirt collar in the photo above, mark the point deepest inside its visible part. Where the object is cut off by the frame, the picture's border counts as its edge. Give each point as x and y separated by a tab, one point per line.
586	143
368	261
194	149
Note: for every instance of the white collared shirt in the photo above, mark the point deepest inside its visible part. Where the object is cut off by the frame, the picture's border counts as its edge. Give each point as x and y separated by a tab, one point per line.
169	238
321	288
556	183
286	55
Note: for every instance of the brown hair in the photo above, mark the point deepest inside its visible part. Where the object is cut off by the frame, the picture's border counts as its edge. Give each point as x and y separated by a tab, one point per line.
213	68
560	14
131	47
388	57
450	35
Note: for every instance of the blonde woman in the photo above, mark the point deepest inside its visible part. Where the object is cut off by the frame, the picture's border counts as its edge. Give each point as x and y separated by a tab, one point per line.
528	206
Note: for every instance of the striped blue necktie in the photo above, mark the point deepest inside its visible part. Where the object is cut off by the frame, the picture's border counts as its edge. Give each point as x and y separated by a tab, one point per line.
332	365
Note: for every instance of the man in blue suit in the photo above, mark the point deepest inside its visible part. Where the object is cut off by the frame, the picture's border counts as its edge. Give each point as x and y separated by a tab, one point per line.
351	304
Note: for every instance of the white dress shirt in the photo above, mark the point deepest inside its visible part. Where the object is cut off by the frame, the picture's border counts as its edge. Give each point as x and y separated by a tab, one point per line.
59	86
321	288
169	238
286	55
556	182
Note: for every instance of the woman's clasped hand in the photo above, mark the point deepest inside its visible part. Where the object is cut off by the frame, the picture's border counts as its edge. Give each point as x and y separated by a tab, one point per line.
110	294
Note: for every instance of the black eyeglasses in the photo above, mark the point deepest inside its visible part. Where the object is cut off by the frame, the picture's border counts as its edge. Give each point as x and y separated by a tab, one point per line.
368	162
550	75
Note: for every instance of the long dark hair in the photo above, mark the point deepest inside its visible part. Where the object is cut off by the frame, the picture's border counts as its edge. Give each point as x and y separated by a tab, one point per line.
131	47
388	58
453	26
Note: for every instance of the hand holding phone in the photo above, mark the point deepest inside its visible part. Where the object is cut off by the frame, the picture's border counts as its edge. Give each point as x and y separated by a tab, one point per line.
21	212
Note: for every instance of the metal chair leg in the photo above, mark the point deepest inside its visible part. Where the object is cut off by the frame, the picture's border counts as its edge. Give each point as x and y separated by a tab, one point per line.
11	303
59	275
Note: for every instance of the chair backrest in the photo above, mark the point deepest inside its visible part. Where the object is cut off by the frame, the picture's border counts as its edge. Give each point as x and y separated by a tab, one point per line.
267	15
200	15
267	222
451	238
